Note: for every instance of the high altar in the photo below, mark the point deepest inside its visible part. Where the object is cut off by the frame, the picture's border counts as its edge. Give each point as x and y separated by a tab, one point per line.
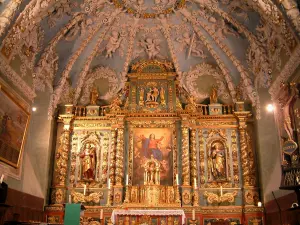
155	149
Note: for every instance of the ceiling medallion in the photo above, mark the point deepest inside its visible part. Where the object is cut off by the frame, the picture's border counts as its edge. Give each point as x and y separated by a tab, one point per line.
149	8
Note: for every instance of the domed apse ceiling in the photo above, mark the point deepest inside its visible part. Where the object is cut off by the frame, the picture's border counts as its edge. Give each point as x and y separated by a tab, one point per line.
69	46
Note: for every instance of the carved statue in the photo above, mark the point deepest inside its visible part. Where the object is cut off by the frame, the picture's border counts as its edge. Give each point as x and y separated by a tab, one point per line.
217	161
194	47
94	96
214	95
151	47
113	43
142	93
162	96
88	158
287	98
152	95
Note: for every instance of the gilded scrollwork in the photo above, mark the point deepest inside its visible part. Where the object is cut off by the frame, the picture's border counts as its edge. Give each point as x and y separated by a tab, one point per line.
78	197
57	196
215	198
62	158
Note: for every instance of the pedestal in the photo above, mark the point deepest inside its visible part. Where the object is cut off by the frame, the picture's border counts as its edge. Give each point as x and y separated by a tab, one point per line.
118	195
186	195
92	110
215	109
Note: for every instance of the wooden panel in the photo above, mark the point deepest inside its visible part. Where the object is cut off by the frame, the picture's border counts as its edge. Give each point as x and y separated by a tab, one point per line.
24	207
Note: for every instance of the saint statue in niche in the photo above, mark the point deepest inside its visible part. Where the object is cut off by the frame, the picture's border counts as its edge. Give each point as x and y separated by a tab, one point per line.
151	146
88	161
217	161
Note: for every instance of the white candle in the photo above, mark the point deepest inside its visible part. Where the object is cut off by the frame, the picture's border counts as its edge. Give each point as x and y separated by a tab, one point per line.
84	189
70	199
127	179
177	179
101	214
259	204
221	191
108	183
193	215
1	179
195	183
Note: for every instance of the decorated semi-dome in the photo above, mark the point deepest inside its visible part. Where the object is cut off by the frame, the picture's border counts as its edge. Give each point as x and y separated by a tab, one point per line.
69	46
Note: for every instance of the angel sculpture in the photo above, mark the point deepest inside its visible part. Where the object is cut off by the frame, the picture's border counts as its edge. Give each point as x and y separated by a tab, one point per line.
151	47
113	43
189	42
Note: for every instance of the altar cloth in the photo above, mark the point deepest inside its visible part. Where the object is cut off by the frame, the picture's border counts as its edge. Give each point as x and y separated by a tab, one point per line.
148	212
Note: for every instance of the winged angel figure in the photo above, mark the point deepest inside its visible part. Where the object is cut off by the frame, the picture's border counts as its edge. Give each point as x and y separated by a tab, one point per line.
151	47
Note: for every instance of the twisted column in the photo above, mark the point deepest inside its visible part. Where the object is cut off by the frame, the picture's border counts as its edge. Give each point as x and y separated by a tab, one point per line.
112	165
185	156
193	156
120	156
248	176
61	165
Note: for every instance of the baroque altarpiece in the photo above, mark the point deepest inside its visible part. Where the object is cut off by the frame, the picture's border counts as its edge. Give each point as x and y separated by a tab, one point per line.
154	147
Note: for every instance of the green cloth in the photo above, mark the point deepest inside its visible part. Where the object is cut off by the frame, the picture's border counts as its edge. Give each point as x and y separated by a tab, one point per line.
72	214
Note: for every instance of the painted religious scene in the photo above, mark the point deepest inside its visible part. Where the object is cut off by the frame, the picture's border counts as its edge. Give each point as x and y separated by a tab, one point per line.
12	129
152	143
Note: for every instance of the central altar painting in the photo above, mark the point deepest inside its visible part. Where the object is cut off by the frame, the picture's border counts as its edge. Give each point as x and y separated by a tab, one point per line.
156	142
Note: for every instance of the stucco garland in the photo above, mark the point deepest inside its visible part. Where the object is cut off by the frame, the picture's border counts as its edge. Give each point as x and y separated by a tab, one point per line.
16	80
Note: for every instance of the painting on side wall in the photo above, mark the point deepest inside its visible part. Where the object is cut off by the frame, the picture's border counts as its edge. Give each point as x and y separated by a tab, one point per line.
156	142
14	119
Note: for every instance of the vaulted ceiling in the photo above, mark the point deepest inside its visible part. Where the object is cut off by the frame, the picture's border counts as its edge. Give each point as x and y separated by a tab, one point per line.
68	46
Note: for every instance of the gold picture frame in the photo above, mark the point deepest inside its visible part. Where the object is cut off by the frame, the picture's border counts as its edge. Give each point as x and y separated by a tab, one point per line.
14	120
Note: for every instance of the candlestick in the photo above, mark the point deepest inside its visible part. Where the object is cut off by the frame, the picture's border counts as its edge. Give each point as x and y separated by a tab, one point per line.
177	179
221	191
101	214
109	183
193	215
127	179
84	190
70	199
1	179
259	204
195	183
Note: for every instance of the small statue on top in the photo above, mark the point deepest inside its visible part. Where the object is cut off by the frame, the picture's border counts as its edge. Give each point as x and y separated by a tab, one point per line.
214	95
94	96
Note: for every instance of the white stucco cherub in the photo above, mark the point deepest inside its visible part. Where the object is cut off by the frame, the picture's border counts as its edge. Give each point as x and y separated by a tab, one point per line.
113	44
151	47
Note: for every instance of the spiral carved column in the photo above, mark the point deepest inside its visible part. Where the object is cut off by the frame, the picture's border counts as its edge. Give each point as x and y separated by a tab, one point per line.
193	156
120	156
185	156
112	166
60	177
247	159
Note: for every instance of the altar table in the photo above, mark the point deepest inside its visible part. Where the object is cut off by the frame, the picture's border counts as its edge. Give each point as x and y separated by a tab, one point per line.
155	213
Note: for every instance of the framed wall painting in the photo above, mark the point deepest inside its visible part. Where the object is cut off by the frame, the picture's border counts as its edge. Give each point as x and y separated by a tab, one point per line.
14	120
